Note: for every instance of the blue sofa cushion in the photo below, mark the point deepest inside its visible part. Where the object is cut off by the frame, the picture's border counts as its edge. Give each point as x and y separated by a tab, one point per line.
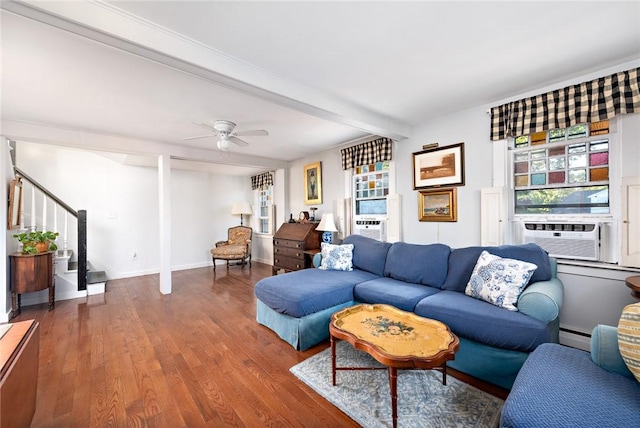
463	260
368	254
419	264
402	295
308	291
484	322
560	386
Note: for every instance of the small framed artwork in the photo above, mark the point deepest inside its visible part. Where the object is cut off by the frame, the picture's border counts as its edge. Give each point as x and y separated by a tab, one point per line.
438	167
437	205
15	203
313	183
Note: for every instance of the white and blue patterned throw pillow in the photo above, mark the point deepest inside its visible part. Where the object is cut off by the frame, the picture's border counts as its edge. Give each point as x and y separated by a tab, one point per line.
499	281
336	257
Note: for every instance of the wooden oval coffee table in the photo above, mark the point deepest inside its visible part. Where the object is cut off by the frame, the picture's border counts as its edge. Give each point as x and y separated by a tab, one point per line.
395	338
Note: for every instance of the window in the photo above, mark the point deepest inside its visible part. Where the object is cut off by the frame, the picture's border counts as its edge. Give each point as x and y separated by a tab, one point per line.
563	171
264	215
371	187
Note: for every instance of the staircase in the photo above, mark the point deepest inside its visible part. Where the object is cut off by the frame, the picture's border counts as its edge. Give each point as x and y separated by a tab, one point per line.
75	276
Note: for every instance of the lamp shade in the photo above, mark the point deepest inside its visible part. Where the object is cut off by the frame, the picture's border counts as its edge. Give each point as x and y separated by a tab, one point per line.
241	208
327	224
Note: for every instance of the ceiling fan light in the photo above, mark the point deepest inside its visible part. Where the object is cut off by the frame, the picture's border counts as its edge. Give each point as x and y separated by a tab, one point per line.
223	144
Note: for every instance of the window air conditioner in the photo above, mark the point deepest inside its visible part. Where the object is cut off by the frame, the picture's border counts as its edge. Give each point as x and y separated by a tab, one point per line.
580	241
371	228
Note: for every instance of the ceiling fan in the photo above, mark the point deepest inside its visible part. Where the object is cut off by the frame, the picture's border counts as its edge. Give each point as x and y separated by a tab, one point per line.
224	130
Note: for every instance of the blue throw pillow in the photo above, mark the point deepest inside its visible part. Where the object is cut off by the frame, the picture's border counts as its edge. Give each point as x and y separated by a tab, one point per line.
499	281
336	257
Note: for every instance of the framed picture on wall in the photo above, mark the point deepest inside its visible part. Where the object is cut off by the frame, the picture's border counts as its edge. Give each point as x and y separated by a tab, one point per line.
313	183
437	205
438	167
15	203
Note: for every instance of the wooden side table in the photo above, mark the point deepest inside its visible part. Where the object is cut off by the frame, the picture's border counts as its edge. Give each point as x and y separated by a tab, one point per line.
633	282
29	273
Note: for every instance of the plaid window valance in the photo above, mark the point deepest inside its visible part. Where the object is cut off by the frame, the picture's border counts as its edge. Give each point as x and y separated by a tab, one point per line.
587	102
261	181
374	151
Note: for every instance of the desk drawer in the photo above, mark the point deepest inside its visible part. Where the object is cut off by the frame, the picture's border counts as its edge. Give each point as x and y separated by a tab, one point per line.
288	252
289	263
288	243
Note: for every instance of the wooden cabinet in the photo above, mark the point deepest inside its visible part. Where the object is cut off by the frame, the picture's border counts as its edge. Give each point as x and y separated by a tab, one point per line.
29	273
290	243
19	351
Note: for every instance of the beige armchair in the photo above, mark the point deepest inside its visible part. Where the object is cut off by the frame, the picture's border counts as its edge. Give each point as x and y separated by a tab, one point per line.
236	247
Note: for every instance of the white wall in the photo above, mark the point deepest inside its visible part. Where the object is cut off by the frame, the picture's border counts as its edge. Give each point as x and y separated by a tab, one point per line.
122	207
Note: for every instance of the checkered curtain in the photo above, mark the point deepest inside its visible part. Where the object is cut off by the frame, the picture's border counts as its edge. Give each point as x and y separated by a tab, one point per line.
374	151
586	102
261	181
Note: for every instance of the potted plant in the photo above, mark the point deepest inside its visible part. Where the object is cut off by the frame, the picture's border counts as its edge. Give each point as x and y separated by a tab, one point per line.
39	241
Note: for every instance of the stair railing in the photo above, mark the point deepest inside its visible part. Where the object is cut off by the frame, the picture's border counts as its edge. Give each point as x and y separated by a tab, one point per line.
80	215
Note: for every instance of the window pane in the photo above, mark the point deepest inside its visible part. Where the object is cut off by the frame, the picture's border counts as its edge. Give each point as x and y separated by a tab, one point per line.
577	148
538	179
522	141
556	135
599	145
577	131
522	167
522	180
538	138
576	161
577	176
538	154
556	177
556	151
521	157
599	128
601	158
567	200
557	163
538	165
599	174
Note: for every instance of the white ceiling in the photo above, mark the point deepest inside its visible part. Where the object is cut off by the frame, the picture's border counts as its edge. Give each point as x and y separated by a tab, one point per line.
314	74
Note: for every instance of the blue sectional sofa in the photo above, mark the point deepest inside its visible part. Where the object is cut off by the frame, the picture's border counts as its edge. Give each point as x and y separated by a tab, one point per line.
429	280
560	386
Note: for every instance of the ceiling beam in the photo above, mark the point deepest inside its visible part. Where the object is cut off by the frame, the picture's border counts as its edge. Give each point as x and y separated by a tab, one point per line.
107	24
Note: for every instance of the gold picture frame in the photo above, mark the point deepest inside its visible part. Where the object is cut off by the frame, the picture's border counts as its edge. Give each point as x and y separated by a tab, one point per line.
439	167
15	203
313	183
438	205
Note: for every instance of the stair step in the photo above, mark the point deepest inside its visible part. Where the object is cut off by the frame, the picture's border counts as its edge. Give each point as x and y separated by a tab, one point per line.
94	277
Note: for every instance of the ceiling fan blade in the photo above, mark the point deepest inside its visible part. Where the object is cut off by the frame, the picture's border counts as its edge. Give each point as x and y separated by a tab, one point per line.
238	141
200	136
206	125
252	133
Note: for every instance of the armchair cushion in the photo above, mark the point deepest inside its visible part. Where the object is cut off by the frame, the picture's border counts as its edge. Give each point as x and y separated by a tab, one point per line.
605	352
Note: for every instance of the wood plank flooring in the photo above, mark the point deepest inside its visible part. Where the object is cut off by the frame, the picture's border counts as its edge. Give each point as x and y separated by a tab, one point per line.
195	358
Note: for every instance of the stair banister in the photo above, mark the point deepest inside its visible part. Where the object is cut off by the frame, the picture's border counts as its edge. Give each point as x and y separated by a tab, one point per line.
80	215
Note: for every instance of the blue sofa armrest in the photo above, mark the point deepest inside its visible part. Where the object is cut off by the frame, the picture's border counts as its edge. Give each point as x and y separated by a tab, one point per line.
605	351
317	259
543	299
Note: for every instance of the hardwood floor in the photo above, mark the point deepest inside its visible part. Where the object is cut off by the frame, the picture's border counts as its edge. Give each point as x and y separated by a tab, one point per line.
194	358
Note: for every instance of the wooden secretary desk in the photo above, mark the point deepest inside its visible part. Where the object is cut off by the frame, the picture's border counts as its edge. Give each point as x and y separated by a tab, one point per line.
294	245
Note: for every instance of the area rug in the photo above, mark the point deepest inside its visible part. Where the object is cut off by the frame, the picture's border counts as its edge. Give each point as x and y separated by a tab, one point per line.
422	399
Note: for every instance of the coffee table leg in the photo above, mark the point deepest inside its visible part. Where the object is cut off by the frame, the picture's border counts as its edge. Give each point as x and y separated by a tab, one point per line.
393	383
444	374
333	360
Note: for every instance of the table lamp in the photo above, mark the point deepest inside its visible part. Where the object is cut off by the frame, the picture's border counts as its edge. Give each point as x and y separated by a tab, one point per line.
241	208
327	226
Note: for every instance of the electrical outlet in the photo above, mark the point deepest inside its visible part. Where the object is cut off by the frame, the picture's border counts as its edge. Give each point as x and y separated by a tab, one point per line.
134	256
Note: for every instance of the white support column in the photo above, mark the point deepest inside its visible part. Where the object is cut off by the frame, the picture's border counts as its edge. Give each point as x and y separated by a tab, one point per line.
164	188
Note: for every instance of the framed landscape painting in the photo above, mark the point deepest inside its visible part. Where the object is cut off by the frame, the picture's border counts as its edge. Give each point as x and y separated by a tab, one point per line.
313	184
438	167
437	205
